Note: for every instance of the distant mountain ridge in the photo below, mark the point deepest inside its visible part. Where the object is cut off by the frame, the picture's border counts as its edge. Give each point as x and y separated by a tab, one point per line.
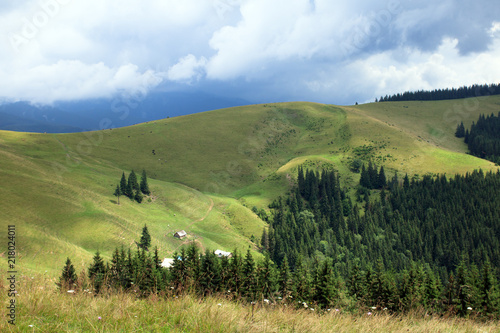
96	114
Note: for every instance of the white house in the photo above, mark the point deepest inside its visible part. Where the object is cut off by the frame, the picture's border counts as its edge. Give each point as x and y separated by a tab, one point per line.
220	253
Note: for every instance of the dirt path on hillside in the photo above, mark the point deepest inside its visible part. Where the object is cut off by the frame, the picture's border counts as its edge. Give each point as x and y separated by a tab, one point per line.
206	214
197	239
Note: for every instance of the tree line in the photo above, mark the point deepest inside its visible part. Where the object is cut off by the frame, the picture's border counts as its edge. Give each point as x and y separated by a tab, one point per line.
431	222
131	187
483	139
469	290
475	90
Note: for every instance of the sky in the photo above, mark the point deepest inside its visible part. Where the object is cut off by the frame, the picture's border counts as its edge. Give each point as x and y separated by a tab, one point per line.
327	51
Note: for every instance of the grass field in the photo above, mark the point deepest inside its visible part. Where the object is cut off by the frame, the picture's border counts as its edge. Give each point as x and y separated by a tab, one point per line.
40	308
207	171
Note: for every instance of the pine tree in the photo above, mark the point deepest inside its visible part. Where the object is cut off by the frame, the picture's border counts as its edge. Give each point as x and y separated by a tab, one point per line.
302	281
132	181
97	272
406	182
382	181
249	283
463	288
365	178
324	285
145	240
460	132
487	290
235	268
210	274
266	277
117	193
285	280
356	283
123	185
68	277
144	184
138	196
192	265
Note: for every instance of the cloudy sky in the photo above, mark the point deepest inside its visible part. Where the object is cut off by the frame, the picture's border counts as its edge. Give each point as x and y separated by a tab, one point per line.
326	51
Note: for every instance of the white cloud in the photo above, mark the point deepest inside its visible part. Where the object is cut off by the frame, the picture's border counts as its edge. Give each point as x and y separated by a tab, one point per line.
70	80
295	49
187	68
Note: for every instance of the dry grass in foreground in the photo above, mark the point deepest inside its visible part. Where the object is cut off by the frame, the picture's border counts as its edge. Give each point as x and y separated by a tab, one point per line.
40	308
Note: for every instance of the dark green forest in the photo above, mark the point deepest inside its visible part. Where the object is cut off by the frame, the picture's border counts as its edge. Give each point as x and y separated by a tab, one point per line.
441	94
483	139
428	244
434	221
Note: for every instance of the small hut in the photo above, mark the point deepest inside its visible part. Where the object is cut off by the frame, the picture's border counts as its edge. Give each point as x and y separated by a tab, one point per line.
180	234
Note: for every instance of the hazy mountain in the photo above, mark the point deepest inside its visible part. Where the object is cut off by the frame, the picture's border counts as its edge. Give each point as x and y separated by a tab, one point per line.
76	116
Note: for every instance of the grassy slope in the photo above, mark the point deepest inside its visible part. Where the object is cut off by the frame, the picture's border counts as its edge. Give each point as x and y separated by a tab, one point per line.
124	313
57	189
71	213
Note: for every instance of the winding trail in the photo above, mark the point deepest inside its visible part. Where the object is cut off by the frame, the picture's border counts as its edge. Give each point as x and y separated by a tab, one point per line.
196	221
206	214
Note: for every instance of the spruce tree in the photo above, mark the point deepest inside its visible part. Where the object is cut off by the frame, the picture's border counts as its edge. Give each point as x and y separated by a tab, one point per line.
117	193
382	181
145	241
68	277
285	281
132	180
487	290
249	283
144	184
138	196
123	185
460	132
324	291
97	272
210	274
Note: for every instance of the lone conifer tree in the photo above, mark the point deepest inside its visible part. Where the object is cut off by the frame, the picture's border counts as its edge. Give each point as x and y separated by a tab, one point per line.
117	193
145	241
144	183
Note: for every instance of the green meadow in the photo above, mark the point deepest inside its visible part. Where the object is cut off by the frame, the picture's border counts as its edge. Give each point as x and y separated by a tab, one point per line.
207	171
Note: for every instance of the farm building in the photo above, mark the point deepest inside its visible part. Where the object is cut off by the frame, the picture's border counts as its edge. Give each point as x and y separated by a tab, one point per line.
180	234
220	253
167	262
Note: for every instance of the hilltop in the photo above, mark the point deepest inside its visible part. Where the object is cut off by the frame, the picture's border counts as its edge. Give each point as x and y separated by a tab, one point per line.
208	170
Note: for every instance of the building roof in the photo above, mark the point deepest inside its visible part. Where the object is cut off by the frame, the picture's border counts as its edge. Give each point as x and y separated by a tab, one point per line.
181	233
167	262
221	253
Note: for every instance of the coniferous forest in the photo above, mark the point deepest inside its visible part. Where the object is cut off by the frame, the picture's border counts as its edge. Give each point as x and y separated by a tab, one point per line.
483	139
443	94
430	243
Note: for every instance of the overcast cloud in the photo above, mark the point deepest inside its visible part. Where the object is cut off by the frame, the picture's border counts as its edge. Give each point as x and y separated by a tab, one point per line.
263	51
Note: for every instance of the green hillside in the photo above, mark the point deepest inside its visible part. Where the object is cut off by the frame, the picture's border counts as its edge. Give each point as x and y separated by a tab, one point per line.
206	171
